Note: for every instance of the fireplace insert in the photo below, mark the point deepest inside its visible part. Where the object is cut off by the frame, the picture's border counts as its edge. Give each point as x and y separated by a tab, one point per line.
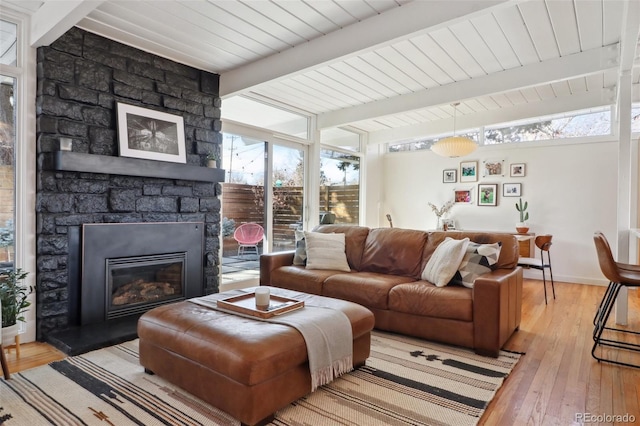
128	268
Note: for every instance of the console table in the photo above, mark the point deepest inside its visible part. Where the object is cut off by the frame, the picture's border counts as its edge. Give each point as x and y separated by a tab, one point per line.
525	244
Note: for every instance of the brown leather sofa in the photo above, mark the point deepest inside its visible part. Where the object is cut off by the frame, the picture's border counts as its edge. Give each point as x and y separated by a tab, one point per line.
386	264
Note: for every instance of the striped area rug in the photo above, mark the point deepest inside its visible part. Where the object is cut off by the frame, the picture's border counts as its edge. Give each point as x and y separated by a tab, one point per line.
406	381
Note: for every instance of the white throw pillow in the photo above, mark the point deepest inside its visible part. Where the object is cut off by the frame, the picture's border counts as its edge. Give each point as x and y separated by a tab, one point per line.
444	261
326	251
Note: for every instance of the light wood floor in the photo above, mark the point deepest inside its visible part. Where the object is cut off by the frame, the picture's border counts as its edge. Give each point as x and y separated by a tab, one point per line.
556	378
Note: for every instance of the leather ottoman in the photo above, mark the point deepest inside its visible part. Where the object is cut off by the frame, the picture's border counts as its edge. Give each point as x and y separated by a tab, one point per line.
245	367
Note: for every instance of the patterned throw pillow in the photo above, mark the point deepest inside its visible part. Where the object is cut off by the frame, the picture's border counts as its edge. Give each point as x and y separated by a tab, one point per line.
477	261
445	261
300	258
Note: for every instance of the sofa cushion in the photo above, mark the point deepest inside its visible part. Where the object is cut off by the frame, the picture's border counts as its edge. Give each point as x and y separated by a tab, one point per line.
326	251
366	288
394	251
354	240
300	256
478	260
300	279
444	262
425	299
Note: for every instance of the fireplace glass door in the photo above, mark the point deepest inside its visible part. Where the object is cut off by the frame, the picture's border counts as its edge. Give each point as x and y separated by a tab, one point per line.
135	284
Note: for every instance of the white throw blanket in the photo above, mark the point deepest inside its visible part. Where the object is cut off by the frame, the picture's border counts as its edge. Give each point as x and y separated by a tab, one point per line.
327	334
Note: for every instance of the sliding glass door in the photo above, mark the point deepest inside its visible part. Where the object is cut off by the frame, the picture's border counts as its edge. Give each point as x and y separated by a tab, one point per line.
264	185
287	177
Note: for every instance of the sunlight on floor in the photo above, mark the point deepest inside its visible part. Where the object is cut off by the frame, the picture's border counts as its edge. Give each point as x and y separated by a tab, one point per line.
239	272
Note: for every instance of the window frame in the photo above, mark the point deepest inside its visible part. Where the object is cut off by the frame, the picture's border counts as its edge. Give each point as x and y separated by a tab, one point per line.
24	74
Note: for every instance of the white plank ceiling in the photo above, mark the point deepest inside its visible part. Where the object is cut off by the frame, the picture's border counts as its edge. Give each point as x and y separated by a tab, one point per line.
388	67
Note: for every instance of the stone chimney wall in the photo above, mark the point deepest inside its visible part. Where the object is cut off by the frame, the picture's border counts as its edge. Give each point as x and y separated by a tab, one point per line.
81	77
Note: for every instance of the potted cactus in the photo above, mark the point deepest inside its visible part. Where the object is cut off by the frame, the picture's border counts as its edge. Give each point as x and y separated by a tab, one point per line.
522	226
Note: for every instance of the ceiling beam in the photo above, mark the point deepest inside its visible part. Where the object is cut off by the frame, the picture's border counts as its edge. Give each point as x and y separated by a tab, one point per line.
55	18
584	100
407	20
629	36
558	69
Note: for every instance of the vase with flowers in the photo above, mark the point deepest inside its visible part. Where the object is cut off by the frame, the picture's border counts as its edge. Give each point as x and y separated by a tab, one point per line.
442	211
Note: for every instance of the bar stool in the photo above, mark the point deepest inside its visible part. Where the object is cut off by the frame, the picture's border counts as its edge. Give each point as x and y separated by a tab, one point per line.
3	359
543	242
618	274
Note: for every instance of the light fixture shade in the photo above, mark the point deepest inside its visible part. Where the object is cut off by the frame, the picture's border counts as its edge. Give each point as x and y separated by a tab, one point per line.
455	146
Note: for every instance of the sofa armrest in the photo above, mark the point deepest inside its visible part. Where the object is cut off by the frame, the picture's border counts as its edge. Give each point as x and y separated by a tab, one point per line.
497	308
272	261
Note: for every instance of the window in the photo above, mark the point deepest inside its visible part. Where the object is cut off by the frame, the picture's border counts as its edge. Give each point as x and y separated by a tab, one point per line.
340	138
423	144
594	122
339	187
258	114
635	118
8	100
7	171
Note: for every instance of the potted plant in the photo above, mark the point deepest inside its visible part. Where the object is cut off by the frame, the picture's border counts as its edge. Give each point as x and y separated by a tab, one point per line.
13	296
521	226
212	160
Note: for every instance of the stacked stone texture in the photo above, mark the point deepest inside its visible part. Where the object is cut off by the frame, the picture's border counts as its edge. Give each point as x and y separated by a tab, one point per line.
81	77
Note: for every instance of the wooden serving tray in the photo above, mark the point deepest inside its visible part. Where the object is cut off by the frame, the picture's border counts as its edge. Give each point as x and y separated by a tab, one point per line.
246	304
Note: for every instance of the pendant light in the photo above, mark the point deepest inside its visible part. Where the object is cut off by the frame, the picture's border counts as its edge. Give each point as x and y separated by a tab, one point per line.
454	146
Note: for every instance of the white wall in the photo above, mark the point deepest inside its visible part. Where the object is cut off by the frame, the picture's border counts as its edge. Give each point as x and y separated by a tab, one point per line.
571	190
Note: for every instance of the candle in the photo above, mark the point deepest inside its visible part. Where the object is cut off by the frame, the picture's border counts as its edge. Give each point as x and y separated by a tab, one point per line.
262	297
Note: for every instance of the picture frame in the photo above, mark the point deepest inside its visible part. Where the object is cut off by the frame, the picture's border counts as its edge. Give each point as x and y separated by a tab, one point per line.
518	170
449	176
150	134
468	171
488	194
463	196
493	168
449	224
511	189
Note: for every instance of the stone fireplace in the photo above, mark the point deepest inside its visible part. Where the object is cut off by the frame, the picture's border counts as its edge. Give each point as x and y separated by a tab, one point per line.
81	78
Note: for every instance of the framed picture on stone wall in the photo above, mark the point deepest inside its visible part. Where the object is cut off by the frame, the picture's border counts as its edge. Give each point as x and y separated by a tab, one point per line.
150	134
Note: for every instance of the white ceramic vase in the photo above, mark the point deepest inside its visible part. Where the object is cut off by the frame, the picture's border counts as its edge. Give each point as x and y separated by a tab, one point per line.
9	334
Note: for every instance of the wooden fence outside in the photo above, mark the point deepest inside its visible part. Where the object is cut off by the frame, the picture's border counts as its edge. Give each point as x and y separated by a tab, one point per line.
245	203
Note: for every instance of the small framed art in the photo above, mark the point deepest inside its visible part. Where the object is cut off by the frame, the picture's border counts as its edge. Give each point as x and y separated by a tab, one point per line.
518	170
448	224
488	194
511	189
449	176
468	171
462	196
493	168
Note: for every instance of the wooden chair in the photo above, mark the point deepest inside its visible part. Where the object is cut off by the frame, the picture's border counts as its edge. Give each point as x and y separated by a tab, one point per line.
619	275
543	242
3	359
